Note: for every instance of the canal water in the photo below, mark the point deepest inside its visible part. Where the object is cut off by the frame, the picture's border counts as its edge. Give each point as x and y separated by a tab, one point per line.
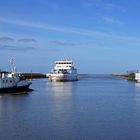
97	107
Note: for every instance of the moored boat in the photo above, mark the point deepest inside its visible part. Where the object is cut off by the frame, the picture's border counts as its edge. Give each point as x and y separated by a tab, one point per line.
13	82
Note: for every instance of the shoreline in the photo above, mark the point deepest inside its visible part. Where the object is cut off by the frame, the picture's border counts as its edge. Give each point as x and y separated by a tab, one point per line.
33	75
130	77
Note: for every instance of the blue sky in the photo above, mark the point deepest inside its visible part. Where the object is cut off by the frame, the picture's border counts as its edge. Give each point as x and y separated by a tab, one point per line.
100	36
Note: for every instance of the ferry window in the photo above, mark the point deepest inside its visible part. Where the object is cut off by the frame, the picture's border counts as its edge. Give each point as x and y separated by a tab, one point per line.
6	81
10	81
3	81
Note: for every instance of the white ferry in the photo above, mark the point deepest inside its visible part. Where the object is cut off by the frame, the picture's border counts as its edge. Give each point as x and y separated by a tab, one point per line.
137	76
12	82
64	70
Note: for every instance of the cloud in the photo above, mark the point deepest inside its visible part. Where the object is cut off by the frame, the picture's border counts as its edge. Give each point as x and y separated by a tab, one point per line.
83	32
89	4
23	40
79	31
110	6
112	20
113	7
50	4
69	44
62	43
27	40
103	6
6	39
15	48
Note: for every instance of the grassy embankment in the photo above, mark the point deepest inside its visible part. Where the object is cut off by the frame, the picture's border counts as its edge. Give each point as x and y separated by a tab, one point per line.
130	76
33	75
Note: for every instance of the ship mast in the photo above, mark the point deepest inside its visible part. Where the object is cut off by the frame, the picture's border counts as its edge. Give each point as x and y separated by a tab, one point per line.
13	65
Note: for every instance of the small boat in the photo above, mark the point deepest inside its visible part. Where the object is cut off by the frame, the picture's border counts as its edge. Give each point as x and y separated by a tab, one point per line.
13	82
64	70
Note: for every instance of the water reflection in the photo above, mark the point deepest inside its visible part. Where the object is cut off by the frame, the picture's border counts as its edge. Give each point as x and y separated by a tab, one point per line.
137	84
137	88
61	108
61	88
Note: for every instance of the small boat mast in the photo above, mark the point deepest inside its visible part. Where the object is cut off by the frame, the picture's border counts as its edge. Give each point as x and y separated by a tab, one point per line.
13	65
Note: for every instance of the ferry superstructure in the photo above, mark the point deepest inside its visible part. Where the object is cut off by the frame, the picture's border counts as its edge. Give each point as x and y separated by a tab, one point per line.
64	70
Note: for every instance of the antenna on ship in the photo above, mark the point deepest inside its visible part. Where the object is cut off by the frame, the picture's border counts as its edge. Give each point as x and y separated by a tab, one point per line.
13	66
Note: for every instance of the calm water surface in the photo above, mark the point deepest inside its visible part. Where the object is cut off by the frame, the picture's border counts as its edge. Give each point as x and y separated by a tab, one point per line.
93	108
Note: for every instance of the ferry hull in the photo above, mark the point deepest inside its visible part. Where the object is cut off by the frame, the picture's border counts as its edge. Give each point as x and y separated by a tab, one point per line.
63	78
15	89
